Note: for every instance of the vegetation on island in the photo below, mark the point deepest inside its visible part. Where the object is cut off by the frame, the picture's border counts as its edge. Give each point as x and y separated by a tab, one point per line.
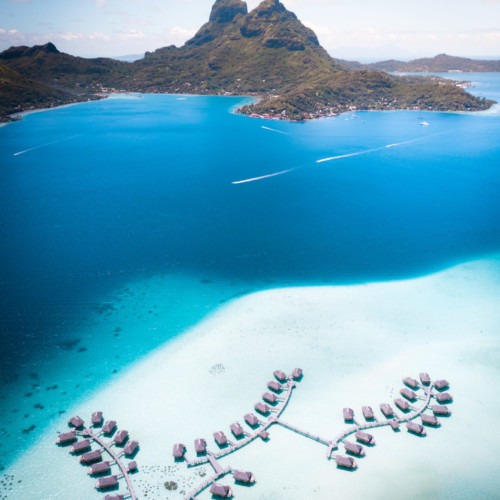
267	53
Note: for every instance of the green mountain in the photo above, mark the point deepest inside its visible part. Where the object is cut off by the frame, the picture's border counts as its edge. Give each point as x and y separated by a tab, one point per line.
267	52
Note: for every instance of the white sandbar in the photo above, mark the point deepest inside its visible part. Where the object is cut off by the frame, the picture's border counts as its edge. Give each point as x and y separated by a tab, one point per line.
355	343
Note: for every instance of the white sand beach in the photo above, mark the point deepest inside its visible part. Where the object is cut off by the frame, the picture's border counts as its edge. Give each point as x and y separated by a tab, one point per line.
355	344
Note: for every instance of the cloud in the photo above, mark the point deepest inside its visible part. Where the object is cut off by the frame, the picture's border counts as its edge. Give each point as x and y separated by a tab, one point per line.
100	3
180	34
131	35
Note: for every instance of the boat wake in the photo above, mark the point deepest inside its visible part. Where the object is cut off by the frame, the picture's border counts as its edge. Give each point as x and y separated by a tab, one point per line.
19	153
274	130
275	174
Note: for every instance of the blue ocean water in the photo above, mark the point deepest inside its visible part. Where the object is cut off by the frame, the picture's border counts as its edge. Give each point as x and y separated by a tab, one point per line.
100	195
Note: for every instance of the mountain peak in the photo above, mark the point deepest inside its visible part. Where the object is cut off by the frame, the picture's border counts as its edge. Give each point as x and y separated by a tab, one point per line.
224	11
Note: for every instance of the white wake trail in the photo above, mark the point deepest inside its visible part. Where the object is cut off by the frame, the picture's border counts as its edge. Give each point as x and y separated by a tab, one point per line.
45	145
274	130
275	174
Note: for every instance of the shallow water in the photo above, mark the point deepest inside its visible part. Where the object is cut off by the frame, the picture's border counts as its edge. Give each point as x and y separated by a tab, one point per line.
105	203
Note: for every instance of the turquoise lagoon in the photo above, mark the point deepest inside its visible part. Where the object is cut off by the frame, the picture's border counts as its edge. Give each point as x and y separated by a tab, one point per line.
106	205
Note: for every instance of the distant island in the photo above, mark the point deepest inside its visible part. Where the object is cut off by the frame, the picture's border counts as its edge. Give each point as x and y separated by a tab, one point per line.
441	63
267	53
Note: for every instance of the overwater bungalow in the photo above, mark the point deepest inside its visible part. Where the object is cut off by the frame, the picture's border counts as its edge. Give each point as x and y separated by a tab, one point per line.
269	397
99	468
241	476
280	375
106	482
220	438
425	378
80	446
368	412
345	462
444	397
387	410
132	466
415	428
179	450
441	385
200	445
237	430
221	490
130	448
440	410
297	373
109	427
354	448
408	394
274	386
402	404
394	423
251	420
66	437
364	437
114	497
120	437
262	408
410	382
76	422
348	414
429	420
90	457
96	418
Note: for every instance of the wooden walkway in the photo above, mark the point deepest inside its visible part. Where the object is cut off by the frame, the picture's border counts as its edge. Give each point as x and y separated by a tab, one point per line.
192	494
88	433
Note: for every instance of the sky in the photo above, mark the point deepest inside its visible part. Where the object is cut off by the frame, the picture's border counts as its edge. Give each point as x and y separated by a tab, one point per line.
351	29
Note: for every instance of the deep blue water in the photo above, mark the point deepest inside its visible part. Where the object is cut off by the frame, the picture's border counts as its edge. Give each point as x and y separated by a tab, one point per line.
95	196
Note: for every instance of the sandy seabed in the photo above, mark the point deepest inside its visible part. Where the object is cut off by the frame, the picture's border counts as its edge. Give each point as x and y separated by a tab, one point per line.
355	344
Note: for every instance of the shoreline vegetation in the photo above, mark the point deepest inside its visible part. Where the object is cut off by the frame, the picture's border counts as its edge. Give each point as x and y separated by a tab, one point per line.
267	54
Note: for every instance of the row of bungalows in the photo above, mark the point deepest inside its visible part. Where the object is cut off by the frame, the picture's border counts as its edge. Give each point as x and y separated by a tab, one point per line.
441	410
415	428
